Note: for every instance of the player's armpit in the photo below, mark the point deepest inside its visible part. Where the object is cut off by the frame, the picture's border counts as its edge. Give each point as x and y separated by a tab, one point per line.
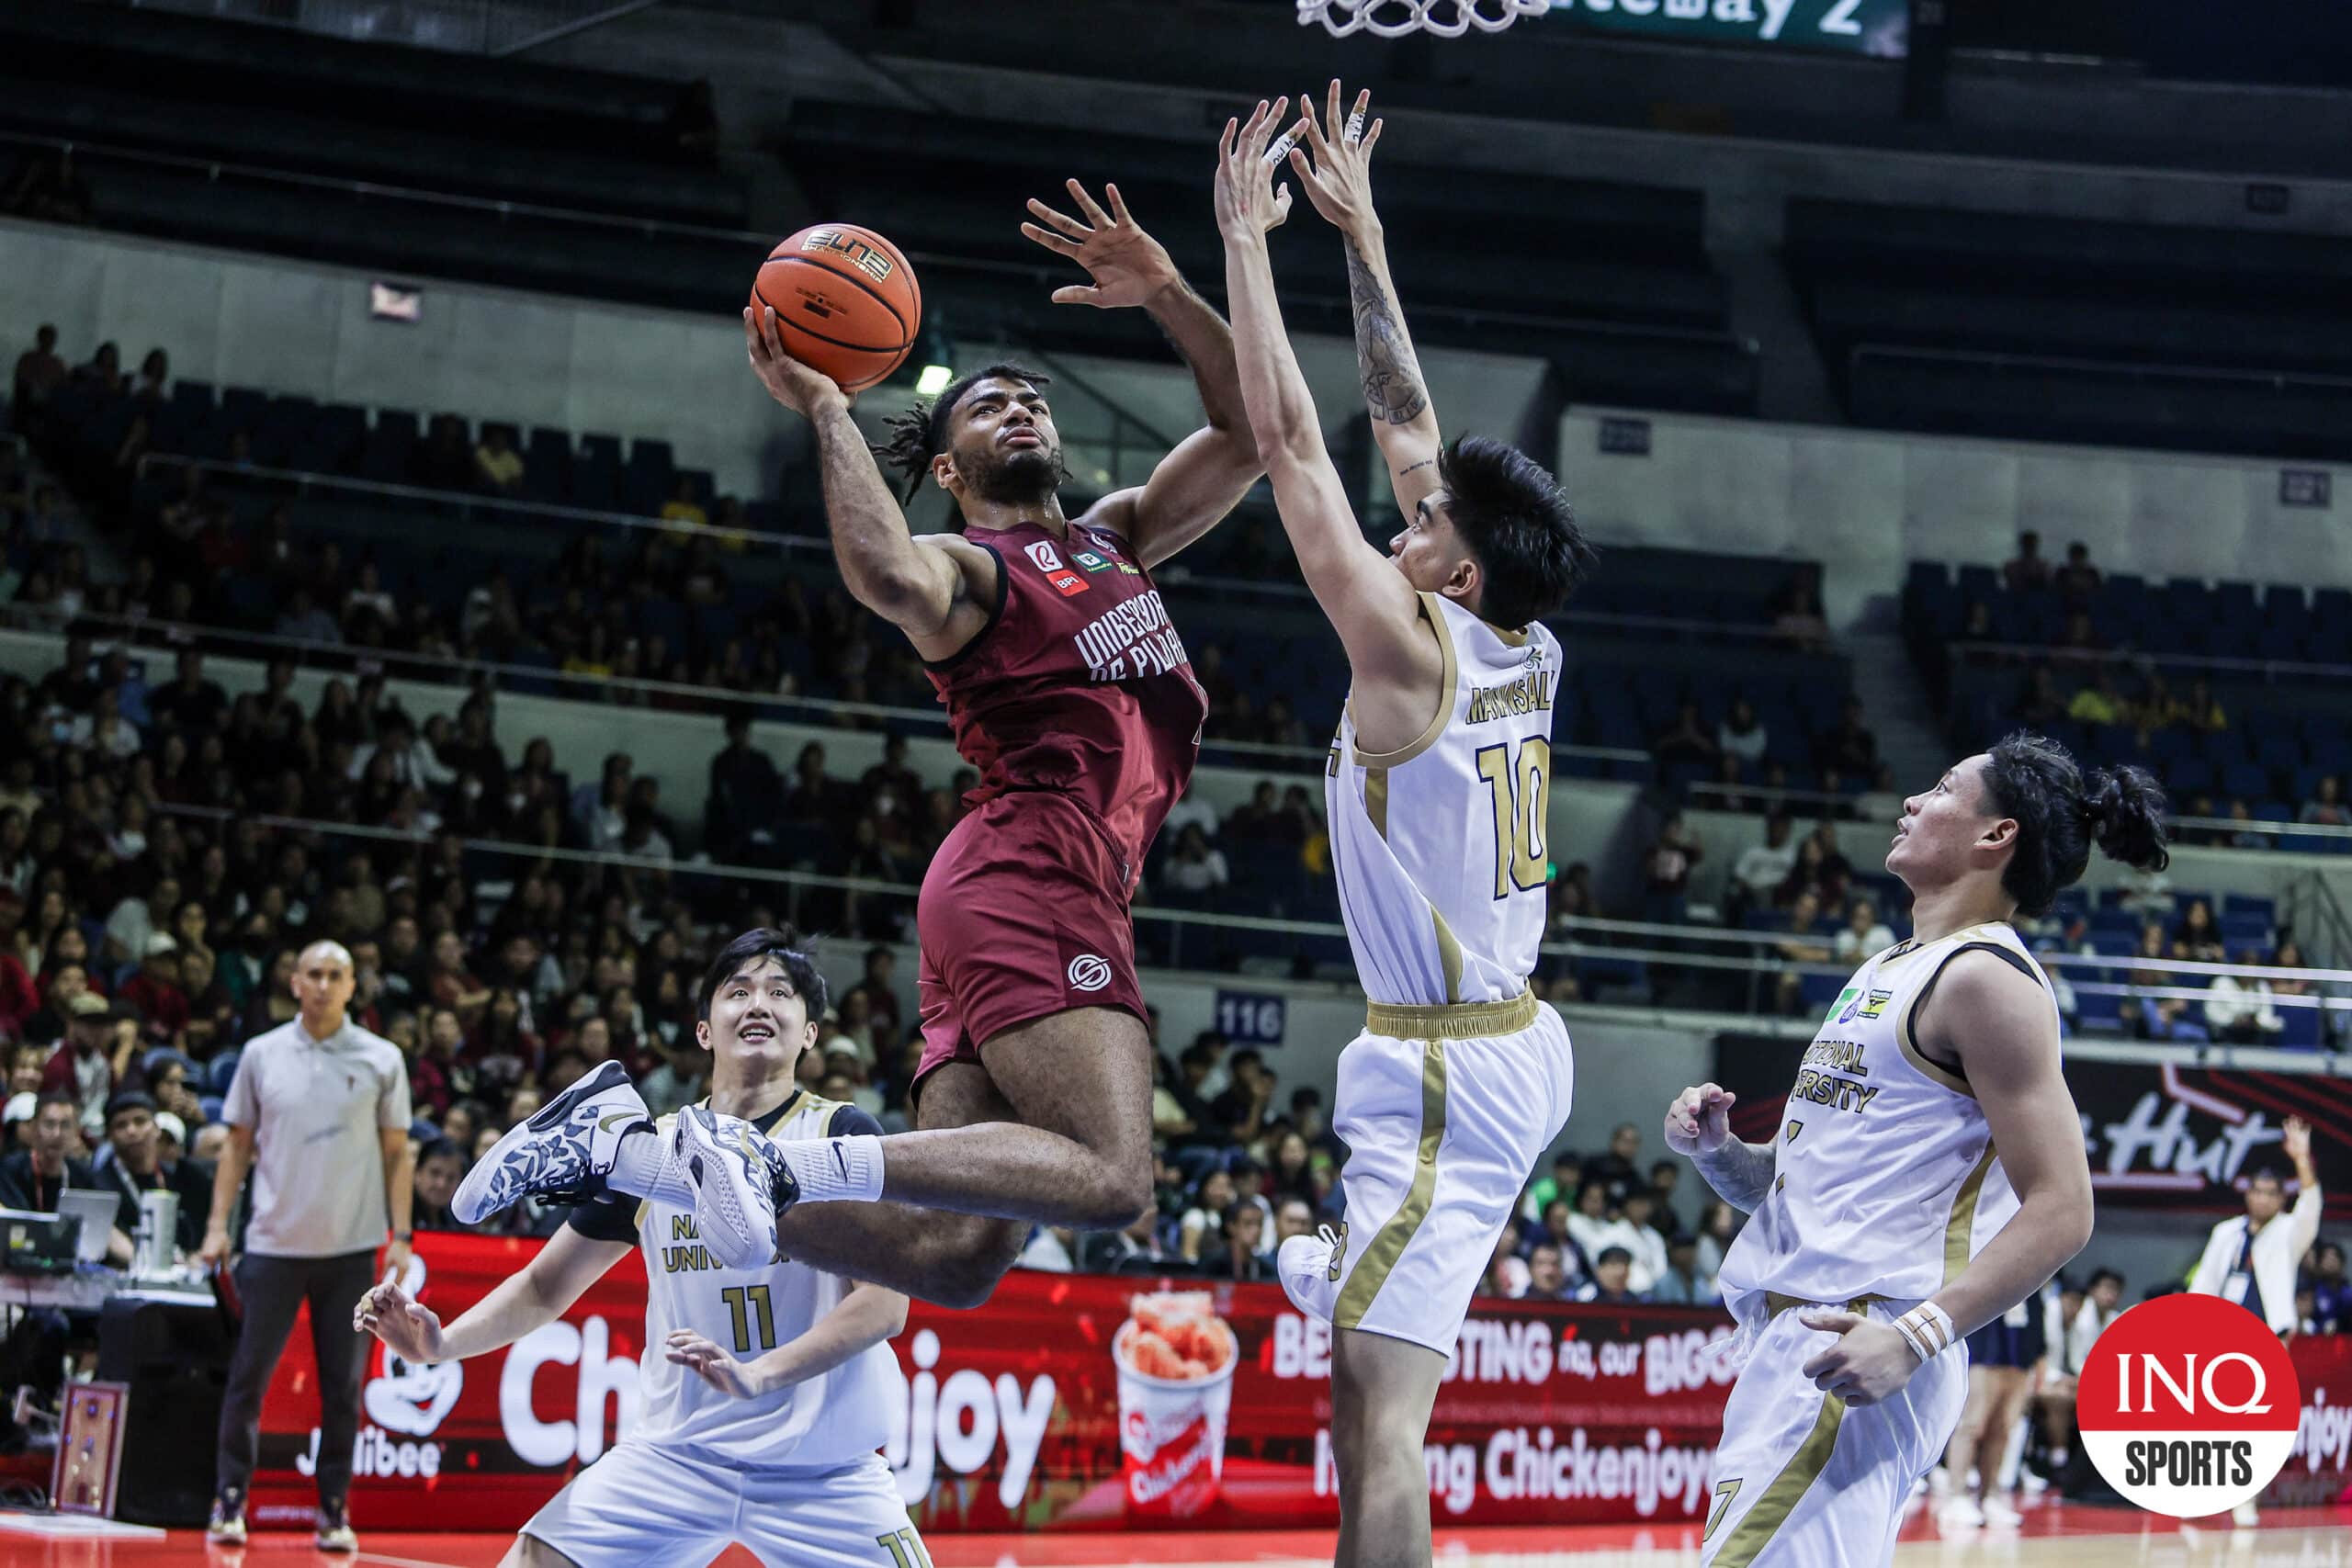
1190	491
1999	1022
962	592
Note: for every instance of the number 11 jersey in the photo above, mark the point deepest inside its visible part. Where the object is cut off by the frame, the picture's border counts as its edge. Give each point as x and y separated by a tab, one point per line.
827	1421
1440	847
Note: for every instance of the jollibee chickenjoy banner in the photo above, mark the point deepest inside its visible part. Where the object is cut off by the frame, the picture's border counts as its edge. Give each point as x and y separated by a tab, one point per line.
1070	1402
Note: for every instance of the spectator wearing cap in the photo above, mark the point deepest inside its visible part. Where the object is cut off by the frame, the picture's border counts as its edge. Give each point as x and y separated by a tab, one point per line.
83	1066
155	990
318	1112
134	1133
32	1178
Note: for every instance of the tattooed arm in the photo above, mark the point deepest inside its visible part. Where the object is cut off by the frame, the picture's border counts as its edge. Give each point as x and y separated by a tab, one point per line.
1339	183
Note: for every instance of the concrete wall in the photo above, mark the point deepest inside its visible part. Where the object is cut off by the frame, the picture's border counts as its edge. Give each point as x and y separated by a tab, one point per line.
1867	504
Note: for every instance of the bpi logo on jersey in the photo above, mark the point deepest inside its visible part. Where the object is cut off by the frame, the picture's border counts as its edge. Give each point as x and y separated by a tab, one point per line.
2188	1405
1088	973
1048	560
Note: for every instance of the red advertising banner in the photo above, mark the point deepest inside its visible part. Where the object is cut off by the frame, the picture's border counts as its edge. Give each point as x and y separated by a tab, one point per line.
1068	1402
2319	1469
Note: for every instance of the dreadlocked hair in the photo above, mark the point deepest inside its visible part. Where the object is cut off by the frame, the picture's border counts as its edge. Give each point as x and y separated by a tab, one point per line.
920	433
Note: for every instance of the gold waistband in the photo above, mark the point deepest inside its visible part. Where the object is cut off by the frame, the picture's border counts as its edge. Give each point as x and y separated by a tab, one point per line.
1456	1020
1776	1303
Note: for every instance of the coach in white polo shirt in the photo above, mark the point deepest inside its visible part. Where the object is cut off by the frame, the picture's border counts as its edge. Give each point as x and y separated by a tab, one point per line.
319	1111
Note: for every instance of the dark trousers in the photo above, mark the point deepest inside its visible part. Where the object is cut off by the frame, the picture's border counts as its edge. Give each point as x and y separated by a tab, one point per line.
273	1291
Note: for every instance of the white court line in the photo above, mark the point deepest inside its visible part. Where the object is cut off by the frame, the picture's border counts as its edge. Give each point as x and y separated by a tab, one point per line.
398	1562
76	1526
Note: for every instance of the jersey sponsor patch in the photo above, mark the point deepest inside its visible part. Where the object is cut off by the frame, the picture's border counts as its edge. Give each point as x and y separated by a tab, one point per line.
1089	972
1044	556
1091	560
1067	583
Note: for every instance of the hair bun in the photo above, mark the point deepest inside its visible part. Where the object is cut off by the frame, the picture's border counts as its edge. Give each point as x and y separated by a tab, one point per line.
2123	813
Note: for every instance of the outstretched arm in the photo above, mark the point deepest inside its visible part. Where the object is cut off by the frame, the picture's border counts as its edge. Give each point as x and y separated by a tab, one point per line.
866	1316
913	588
1339	182
532	1297
1209	472
1370	603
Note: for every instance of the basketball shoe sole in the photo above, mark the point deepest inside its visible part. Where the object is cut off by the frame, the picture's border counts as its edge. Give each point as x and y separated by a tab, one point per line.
563	1151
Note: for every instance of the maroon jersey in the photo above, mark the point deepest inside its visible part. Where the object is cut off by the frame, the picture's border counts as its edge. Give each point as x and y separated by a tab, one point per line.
1078	684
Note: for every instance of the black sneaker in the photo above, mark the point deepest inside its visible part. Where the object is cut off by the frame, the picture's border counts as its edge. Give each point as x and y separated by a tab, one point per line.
334	1533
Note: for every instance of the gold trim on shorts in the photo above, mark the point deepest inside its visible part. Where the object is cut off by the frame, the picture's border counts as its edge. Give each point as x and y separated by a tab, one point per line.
1458	1021
1379	1259
1764	1518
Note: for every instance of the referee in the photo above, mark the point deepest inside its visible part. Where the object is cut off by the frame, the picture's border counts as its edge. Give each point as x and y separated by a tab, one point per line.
318	1112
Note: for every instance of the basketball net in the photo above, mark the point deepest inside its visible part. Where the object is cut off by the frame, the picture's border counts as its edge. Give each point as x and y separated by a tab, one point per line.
1395	19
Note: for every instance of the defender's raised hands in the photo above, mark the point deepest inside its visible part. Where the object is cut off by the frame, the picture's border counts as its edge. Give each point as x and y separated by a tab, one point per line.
1247	201
1338	177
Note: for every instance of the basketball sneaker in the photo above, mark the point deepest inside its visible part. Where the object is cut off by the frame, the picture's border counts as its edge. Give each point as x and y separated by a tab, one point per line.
563	1151
740	1183
334	1532
2245	1514
1999	1514
1960	1512
1303	1265
227	1525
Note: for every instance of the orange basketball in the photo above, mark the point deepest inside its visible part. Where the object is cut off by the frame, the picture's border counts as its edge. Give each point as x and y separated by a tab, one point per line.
845	302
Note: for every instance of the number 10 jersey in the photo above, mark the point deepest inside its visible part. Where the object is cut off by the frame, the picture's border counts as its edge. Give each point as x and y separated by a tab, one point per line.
1441	849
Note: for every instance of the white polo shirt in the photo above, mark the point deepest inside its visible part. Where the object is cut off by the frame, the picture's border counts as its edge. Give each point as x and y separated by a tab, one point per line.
316	1108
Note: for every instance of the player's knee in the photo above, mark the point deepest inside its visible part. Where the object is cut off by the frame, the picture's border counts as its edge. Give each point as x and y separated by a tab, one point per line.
966	1276
1117	1191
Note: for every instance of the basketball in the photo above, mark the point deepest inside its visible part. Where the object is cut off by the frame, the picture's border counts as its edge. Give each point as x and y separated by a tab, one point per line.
847	303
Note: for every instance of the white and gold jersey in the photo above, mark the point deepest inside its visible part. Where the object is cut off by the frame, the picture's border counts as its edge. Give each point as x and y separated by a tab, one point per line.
1439	849
828	1420
1886	1182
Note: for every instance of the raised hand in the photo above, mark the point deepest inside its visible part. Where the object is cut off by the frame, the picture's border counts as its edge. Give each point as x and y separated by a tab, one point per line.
2295	1137
1128	265
1248	202
1338	179
397	1318
722	1372
1699	1121
804	391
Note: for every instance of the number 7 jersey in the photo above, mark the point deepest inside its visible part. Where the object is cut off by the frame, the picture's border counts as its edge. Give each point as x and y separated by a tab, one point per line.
1440	848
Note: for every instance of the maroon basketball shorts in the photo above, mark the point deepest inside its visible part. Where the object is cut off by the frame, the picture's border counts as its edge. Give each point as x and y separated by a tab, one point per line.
1023	914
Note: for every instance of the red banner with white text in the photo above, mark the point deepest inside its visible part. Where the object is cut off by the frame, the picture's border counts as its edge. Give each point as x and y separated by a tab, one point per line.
1068	1402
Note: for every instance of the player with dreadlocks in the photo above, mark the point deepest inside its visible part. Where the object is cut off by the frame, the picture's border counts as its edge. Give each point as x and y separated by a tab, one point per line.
1071	694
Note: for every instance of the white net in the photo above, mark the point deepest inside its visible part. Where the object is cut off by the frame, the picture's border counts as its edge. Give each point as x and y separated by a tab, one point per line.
1395	19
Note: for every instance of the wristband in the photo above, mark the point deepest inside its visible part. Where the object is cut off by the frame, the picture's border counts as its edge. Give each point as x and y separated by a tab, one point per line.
1928	1329
404	1235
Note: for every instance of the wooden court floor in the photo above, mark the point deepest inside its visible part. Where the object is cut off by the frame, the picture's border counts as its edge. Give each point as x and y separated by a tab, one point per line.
2055	1535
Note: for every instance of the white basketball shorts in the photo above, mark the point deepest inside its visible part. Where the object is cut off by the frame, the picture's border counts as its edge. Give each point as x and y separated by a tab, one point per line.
1801	1480
1444	1110
644	1506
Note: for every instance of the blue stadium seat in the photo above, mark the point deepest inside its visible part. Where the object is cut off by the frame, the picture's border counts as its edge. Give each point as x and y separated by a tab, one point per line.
2101	1013
2302	1028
